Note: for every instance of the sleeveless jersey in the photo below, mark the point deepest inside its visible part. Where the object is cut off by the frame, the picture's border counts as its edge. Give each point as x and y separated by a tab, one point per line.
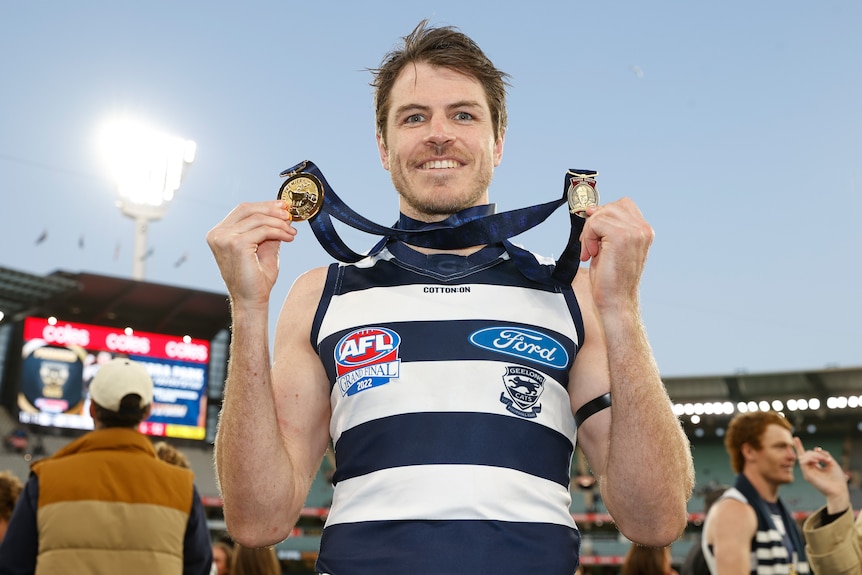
451	420
771	549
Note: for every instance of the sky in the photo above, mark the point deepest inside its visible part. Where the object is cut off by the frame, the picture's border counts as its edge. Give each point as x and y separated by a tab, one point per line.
736	126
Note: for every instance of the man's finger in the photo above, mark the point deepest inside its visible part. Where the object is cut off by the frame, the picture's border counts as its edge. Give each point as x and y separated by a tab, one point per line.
799	447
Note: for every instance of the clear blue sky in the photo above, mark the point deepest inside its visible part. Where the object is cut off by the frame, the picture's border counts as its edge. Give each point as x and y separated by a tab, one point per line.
735	126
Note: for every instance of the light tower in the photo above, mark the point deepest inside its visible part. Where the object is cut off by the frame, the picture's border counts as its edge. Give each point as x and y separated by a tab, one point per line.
147	167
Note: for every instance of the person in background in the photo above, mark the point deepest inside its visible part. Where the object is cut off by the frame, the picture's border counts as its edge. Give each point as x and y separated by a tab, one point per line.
10	489
694	563
749	529
255	561
170	454
105	504
833	540
641	560
222	557
453	417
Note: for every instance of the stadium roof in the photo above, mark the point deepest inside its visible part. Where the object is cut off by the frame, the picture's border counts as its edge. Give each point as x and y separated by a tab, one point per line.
114	302
829	399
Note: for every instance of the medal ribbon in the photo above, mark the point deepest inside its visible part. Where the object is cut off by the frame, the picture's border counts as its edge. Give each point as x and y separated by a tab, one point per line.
471	227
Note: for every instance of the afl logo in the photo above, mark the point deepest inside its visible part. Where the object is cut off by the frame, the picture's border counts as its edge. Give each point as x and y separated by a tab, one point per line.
366	358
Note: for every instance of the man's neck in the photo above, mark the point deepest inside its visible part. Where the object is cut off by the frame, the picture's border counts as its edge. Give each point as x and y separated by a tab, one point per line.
459	252
767	490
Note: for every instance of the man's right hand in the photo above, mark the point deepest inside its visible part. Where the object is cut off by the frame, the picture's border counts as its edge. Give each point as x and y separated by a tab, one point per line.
246	245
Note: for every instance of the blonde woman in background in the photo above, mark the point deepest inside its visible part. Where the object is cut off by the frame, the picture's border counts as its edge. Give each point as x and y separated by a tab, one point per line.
255	561
642	560
170	454
222	557
10	489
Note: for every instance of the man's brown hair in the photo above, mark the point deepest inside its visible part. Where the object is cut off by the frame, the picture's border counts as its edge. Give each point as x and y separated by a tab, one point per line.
445	47
748	428
131	413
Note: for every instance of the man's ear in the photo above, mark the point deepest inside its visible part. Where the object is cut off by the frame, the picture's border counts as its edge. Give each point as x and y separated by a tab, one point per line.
381	149
498	148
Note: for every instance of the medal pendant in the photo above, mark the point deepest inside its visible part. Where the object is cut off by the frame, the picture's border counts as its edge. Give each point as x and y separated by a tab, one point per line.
582	192
303	193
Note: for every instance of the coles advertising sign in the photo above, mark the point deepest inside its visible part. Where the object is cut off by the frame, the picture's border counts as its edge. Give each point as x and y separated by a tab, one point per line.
60	359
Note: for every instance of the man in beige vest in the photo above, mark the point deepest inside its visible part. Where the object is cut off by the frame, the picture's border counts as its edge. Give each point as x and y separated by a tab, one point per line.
105	503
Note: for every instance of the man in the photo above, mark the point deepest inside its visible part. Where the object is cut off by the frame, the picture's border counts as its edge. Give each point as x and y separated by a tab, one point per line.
749	529
447	380
105	503
833	540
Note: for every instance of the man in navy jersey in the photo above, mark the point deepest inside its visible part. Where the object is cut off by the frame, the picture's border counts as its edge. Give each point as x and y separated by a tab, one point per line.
453	384
749	529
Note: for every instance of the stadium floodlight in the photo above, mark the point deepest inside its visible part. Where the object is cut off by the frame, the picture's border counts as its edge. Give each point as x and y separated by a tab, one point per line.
147	167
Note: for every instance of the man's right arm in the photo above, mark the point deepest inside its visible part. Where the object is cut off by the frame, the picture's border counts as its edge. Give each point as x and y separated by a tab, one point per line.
729	529
273	428
836	547
274	425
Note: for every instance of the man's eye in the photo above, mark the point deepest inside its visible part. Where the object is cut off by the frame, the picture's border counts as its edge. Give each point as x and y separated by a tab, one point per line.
413	118
463	116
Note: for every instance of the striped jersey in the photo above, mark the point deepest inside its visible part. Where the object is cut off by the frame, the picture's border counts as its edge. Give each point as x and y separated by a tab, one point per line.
451	421
772	550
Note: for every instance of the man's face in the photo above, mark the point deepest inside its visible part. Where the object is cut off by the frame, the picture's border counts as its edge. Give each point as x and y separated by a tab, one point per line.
440	147
775	460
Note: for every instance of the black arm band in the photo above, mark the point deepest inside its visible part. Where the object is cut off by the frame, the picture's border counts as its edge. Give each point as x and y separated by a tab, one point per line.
591	407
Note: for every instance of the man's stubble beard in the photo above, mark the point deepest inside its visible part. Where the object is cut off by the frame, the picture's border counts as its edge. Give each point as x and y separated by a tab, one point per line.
435	205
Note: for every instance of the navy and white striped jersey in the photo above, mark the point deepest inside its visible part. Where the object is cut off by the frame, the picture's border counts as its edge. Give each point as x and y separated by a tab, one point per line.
451	420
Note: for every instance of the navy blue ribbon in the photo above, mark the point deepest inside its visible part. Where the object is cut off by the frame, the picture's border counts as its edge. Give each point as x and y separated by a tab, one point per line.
471	227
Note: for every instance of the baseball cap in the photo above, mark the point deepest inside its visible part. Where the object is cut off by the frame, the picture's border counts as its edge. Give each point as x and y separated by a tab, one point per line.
117	379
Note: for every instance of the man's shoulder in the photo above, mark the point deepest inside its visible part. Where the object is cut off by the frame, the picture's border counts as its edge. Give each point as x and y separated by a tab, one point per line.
310	282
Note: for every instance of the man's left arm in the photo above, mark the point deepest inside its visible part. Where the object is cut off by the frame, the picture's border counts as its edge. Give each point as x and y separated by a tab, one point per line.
637	448
197	546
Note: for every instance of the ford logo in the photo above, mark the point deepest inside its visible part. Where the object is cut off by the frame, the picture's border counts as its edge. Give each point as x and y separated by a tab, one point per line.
523	343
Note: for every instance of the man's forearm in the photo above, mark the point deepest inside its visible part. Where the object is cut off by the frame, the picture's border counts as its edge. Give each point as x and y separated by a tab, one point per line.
248	446
650	473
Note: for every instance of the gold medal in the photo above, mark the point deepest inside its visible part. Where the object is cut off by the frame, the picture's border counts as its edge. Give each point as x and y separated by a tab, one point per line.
303	193
582	193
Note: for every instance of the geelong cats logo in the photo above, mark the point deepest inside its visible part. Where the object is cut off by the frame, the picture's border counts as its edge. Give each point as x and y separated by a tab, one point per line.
366	358
524	386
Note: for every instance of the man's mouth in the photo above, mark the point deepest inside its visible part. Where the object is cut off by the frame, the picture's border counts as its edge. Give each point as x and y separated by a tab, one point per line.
440	165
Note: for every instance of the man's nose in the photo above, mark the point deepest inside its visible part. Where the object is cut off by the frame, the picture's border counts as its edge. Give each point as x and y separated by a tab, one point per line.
439	132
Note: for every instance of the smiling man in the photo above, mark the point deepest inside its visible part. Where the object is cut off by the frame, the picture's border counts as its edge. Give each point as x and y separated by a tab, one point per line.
453	384
749	529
